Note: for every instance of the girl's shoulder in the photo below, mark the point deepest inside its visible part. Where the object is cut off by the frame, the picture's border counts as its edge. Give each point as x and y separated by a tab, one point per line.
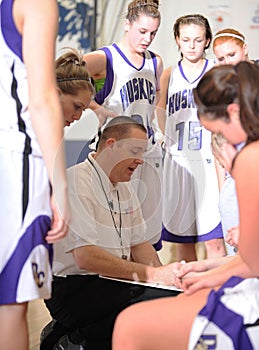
171	69
167	71
246	159
153	55
211	62
166	75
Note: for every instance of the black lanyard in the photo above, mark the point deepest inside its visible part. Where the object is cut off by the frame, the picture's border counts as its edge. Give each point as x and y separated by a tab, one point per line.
110	206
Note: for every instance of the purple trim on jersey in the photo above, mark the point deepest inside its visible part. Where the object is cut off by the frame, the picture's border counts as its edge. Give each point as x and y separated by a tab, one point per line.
202	73
126	59
27	145
168	236
217	232
154	60
227	320
158	245
106	89
33	237
12	37
109	79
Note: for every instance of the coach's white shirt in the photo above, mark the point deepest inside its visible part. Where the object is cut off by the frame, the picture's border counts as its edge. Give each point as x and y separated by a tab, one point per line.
90	190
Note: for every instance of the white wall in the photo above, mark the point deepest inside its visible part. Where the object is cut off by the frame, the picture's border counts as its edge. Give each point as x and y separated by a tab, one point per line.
84	129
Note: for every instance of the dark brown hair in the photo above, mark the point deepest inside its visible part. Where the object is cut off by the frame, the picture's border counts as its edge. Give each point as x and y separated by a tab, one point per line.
226	84
193	19
119	128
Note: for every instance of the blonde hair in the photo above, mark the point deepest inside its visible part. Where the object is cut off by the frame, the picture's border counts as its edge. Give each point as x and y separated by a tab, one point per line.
71	73
143	7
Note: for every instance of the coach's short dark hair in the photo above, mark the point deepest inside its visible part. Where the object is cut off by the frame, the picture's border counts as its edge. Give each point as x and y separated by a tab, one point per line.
119	128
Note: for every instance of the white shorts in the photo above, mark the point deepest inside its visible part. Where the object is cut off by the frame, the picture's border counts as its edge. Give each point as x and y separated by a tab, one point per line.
190	200
25	217
230	319
147	182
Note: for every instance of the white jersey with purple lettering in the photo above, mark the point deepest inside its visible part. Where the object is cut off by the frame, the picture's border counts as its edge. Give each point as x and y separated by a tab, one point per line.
230	318
25	214
191	195
131	91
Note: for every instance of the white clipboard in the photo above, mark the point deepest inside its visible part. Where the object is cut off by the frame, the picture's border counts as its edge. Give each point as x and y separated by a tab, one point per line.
145	284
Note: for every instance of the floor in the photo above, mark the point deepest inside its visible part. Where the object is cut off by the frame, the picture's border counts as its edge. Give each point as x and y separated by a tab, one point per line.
38	315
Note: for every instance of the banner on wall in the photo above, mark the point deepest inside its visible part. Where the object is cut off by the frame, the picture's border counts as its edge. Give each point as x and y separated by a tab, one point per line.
77	24
219	14
254	20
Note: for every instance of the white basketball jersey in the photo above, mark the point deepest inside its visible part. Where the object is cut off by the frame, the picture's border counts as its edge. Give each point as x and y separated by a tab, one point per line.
16	131
129	90
184	135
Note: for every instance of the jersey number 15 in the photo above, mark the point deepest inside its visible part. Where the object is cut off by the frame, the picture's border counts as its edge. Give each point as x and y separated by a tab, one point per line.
194	135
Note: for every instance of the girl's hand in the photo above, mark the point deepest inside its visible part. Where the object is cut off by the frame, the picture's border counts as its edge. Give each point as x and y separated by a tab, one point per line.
60	220
233	236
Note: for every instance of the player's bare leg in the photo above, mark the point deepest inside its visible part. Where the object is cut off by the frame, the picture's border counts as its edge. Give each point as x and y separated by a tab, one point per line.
186	251
14	328
215	248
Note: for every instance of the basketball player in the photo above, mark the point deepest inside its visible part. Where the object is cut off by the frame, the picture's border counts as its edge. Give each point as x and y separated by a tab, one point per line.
33	207
190	196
